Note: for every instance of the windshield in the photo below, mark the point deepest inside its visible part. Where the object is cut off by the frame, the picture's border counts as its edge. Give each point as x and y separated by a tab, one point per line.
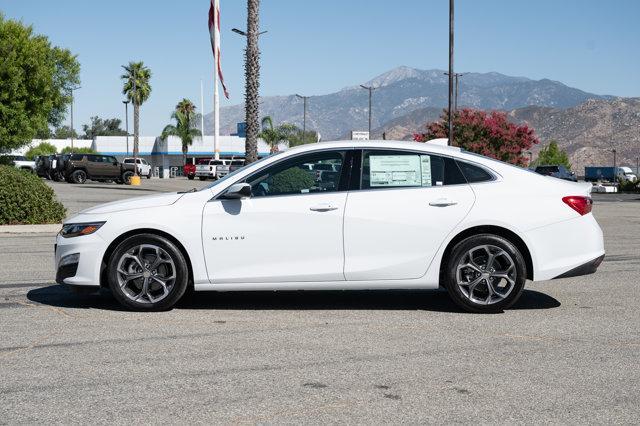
240	170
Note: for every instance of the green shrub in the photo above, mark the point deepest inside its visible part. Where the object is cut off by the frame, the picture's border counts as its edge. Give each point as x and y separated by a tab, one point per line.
291	181
25	198
627	186
43	149
69	150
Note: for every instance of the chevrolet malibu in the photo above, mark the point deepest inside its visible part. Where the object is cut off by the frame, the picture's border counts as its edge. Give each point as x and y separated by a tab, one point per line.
341	215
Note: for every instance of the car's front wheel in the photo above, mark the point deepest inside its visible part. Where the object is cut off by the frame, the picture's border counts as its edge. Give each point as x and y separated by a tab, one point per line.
147	272
485	274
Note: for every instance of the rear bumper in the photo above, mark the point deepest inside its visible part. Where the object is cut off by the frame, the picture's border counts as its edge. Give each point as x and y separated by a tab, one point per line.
584	269
565	246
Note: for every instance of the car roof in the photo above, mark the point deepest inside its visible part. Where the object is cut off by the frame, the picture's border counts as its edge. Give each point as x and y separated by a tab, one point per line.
380	144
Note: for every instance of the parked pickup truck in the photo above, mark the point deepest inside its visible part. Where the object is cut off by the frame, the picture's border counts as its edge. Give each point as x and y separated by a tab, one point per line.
189	169
215	169
144	168
81	167
19	162
608	174
559	172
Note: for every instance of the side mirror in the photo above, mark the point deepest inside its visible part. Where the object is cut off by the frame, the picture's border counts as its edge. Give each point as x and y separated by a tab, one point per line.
115	163
237	191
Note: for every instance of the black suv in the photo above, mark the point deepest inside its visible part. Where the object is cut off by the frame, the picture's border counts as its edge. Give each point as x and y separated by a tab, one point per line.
80	167
559	172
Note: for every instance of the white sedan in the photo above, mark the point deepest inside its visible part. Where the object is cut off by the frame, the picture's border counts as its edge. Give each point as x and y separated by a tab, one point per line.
381	215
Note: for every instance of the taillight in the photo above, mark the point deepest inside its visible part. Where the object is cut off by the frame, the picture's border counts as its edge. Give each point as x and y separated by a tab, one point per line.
580	204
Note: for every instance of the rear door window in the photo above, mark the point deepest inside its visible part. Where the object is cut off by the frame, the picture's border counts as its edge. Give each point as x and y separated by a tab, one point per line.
401	169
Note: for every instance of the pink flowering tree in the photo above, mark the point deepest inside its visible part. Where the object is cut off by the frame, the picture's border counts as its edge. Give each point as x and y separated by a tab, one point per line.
489	134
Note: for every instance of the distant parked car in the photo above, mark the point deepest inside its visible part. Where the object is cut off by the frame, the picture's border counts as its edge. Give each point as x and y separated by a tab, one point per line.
18	161
559	172
608	174
144	168
212	169
81	167
189	170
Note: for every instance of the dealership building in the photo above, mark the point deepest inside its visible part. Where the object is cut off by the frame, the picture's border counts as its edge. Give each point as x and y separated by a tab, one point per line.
160	153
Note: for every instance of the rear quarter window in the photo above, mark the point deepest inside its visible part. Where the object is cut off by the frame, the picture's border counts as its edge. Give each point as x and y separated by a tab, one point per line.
474	174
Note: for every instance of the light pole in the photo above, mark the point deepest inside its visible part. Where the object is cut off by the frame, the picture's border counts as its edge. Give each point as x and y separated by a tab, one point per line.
126	120
370	89
530	157
243	33
450	111
71	90
304	116
637	167
615	172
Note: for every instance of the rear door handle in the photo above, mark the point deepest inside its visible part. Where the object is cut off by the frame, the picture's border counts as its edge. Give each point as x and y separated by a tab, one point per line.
443	202
323	207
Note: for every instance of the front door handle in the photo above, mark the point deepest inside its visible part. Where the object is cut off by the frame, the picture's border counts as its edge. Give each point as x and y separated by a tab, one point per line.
323	207
443	202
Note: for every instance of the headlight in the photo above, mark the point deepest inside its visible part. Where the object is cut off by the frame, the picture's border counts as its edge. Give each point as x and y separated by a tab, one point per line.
77	229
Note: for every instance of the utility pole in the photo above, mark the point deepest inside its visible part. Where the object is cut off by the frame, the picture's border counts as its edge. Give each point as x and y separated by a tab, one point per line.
72	98
304	116
615	172
638	167
451	76
457	76
126	121
370	89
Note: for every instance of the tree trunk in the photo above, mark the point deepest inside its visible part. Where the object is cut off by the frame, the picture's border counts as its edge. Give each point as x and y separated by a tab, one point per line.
136	127
252	81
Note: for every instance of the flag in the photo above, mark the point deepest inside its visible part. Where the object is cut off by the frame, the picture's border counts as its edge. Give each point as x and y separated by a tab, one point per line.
214	33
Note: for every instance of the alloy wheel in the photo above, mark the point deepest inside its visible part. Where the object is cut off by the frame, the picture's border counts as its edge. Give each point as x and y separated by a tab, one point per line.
486	274
146	273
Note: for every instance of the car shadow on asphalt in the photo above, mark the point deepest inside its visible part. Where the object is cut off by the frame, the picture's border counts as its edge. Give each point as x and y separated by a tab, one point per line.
426	300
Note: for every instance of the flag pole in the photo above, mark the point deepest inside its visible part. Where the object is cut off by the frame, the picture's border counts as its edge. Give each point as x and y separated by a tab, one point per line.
216	94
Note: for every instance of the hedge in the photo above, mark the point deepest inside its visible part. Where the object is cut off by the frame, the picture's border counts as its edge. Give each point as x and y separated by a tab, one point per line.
26	199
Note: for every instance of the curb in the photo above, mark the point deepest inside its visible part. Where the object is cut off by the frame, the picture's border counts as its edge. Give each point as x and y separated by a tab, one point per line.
52	228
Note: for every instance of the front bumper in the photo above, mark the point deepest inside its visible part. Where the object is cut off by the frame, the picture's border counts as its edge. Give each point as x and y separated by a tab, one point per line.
86	272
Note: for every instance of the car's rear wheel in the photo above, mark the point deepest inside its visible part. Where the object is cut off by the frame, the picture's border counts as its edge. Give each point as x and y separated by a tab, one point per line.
147	272
79	176
190	177
485	274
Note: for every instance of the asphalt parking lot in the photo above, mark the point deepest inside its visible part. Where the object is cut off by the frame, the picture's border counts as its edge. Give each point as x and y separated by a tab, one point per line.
568	352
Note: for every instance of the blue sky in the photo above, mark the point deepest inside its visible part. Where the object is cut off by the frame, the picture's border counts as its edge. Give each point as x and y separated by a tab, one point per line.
317	47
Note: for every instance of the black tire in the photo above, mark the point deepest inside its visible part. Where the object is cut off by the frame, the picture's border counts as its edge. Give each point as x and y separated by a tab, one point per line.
202	177
79	176
458	255
190	177
149	175
181	272
126	177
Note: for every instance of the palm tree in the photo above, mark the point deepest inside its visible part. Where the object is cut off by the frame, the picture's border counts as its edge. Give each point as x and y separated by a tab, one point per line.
137	89
186	107
185	129
252	81
273	136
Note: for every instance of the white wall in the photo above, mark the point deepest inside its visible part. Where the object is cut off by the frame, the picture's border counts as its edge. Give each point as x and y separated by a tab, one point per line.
58	143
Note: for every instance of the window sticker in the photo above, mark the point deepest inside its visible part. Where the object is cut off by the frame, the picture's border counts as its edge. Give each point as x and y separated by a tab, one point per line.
400	170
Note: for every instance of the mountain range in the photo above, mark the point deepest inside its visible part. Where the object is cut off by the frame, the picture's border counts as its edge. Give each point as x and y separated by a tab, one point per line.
405	99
